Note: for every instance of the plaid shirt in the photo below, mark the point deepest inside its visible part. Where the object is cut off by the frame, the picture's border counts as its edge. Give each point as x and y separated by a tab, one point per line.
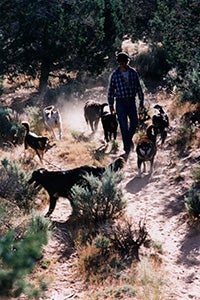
119	89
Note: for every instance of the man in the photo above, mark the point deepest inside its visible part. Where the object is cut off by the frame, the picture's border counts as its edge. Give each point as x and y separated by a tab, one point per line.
124	84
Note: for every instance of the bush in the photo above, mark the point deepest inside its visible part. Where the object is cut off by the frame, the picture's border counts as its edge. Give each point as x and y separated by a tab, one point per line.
36	119
14	186
191	86
183	138
196	176
99	200
10	126
127	239
152	64
111	249
18	258
192	203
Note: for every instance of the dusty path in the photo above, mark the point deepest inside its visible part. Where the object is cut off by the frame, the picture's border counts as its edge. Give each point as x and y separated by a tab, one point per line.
158	199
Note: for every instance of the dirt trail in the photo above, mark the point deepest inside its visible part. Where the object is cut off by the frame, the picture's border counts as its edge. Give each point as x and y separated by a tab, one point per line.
159	199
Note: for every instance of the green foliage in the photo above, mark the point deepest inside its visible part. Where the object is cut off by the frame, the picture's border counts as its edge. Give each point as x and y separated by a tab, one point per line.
18	258
183	138
192	203
14	186
100	200
45	36
136	17
10	126
196	176
176	25
191	85
35	119
152	64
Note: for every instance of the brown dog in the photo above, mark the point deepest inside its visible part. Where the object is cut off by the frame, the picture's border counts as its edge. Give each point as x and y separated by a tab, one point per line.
38	143
59	183
146	149
93	111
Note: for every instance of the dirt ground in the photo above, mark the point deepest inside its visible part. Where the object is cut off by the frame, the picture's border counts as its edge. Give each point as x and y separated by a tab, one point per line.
158	198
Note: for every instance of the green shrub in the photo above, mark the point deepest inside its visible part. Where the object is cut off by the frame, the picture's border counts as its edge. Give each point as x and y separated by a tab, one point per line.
191	86
10	126
196	176
192	203
35	119
18	258
183	138
152	64
99	200
14	186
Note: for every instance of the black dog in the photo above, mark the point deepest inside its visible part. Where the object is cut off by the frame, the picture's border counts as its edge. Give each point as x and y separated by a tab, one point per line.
161	121
110	125
59	183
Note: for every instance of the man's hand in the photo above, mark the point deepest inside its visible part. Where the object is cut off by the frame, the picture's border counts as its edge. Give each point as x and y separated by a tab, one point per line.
112	111
141	107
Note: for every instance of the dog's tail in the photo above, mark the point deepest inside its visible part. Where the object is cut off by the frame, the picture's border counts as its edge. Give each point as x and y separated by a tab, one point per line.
117	164
26	125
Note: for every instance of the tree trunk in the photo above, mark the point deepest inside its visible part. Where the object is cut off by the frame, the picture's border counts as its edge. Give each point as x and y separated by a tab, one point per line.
44	75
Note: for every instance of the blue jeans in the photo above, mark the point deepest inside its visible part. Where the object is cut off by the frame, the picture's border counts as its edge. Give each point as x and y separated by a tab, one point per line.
128	121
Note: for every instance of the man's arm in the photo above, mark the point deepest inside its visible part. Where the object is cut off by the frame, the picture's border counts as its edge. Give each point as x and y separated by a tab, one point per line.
111	94
139	92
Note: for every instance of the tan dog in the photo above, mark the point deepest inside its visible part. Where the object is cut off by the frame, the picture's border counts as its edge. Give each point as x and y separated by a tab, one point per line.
52	119
146	149
92	112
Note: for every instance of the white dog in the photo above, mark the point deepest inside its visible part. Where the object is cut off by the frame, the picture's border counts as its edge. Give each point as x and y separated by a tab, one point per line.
52	119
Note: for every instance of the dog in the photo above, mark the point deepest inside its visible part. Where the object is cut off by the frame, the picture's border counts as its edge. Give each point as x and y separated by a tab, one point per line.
59	183
161	121
92	112
146	149
38	143
110	125
52	120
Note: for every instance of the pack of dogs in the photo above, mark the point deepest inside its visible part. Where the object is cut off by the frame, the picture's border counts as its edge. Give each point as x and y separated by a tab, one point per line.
59	183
